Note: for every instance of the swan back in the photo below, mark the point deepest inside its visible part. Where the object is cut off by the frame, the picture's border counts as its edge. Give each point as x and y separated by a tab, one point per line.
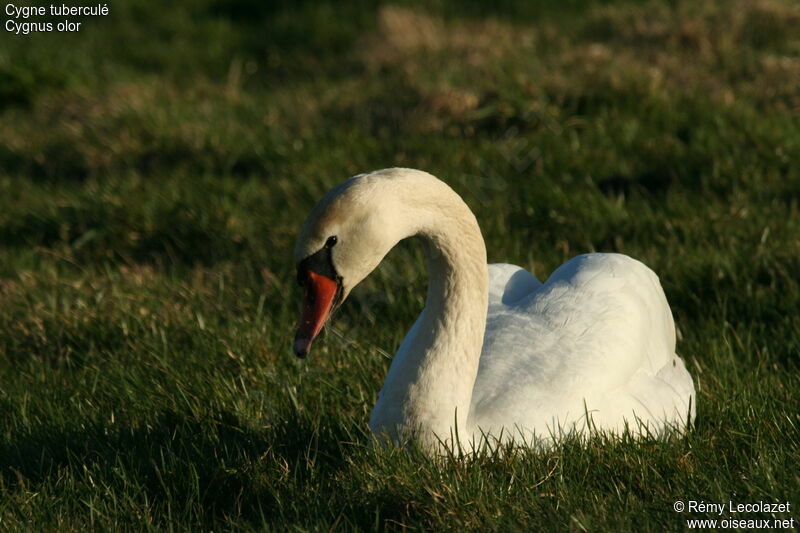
596	338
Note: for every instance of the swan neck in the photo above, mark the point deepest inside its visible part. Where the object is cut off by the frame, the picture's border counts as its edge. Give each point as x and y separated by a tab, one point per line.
433	374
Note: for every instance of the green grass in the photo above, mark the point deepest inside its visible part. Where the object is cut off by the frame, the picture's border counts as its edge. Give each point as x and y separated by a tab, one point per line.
154	171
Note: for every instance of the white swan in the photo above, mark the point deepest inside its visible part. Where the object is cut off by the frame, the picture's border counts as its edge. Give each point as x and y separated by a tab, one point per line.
495	352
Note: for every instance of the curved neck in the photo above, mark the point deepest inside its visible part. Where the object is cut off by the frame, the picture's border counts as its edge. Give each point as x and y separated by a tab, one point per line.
428	390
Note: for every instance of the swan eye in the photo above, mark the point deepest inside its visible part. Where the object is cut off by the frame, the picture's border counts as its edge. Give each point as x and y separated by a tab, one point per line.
331	242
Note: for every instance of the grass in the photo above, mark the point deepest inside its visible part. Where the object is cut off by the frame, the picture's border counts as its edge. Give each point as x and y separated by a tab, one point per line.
154	176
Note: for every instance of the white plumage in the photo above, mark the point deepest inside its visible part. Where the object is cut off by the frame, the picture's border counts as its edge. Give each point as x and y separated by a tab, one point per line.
596	338
495	352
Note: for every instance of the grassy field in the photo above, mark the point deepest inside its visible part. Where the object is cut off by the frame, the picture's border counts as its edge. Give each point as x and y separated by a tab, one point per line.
155	168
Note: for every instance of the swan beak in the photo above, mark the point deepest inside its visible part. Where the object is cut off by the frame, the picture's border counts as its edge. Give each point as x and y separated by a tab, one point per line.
318	300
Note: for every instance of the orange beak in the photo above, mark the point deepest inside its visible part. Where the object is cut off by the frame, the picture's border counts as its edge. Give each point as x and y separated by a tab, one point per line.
318	301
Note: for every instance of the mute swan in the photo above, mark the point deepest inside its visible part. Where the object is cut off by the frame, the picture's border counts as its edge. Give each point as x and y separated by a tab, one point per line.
494	353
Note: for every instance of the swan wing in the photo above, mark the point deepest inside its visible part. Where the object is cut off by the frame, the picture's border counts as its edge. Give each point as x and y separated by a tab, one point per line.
597	337
509	284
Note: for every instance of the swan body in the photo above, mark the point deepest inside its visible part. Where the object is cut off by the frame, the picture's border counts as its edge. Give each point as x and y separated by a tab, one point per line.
495	354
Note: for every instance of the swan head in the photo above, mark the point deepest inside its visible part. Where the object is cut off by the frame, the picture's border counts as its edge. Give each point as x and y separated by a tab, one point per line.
344	238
